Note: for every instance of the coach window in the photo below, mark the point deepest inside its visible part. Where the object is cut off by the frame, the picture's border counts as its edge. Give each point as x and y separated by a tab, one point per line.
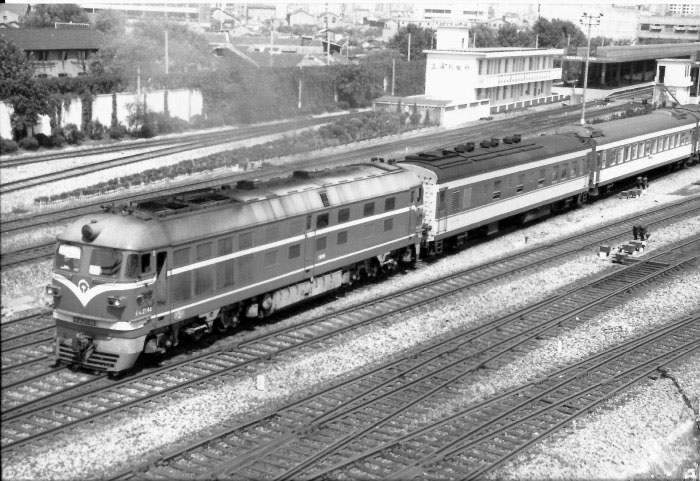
294	251
388	225
224	269
270	258
368	209
665	142
653	146
633	154
564	171
322	221
543	174
647	149
640	152
203	281
574	168
343	215
521	182
342	238
497	189
555	173
627	153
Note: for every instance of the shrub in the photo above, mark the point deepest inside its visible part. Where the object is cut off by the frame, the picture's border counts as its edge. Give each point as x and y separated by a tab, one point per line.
197	122
29	143
8	146
44	140
166	124
95	130
72	135
116	132
343	105
58	140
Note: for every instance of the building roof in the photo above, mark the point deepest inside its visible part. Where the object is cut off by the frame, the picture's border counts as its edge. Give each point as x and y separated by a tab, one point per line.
631	53
52	39
16	8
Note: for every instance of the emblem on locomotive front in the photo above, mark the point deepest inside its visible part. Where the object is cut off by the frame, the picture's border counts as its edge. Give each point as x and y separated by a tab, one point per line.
83	286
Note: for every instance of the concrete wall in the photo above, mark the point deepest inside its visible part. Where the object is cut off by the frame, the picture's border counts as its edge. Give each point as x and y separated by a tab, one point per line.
182	103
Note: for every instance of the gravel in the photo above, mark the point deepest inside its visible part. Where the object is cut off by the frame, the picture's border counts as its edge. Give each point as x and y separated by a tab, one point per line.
88	453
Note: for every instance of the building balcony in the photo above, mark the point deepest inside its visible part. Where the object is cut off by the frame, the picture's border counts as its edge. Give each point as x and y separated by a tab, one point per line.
513	78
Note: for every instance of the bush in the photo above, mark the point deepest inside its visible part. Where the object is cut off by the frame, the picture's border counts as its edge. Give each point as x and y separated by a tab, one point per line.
216	119
167	125
72	135
95	130
58	140
116	132
44	140
198	122
29	143
8	146
343	105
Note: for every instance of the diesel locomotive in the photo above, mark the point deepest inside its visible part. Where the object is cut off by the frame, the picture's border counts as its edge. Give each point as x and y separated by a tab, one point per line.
137	279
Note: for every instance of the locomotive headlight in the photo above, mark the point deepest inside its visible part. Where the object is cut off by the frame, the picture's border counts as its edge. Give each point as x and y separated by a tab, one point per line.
53	290
114	301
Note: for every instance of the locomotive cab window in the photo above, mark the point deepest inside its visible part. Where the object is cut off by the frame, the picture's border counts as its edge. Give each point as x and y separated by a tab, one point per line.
68	257
105	262
137	266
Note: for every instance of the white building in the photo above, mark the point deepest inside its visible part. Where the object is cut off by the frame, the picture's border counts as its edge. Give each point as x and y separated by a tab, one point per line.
674	81
464	84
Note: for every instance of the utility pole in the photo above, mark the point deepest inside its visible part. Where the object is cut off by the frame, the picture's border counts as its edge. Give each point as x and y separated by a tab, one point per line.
166	52
393	75
409	47
589	21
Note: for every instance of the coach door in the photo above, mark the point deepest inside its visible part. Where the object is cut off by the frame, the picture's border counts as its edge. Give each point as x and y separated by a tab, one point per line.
441	211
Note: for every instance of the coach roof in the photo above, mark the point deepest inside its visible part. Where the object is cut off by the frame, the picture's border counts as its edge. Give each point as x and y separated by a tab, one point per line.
653	123
450	165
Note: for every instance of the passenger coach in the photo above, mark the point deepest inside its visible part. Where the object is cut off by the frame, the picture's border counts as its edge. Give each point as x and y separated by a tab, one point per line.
475	186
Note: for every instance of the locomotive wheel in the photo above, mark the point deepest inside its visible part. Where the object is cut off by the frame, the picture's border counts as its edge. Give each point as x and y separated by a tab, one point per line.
227	320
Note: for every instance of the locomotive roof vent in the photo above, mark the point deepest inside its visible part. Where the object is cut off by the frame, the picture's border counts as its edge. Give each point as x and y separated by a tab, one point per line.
90	231
245	184
301	174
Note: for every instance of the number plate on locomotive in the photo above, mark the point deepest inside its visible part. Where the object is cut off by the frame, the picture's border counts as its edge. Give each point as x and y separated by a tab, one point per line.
85	322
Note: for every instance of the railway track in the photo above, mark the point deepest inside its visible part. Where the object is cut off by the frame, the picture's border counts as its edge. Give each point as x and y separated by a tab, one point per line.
242	359
195	142
25	341
380	424
534	122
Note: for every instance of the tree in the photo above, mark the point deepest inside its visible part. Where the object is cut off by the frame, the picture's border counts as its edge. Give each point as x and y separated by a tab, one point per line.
46	15
421	39
19	89
483	36
555	34
110	22
510	36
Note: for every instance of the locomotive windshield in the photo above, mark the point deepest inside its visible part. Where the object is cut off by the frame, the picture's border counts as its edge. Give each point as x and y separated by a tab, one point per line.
105	262
68	257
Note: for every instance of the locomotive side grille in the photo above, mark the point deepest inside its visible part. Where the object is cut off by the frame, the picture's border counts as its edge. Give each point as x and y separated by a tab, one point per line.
98	360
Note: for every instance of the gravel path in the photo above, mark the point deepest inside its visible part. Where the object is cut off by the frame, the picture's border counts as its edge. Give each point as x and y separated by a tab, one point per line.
87	454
